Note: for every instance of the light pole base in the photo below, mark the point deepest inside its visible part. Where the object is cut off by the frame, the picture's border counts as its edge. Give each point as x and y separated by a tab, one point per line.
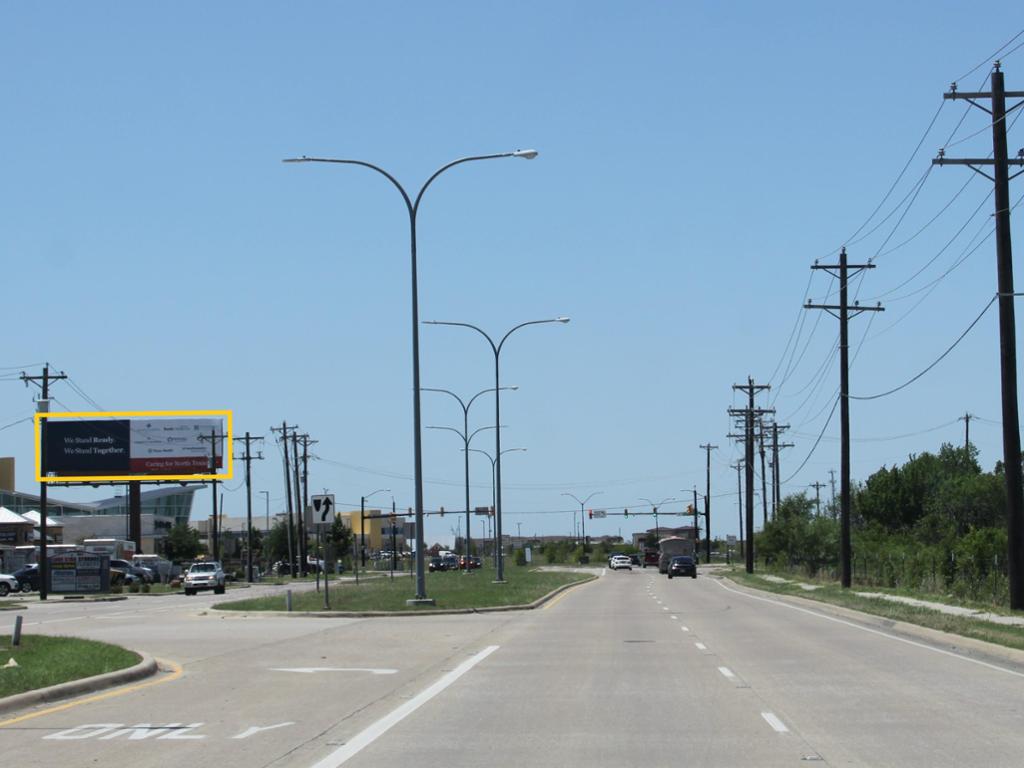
414	601
499	581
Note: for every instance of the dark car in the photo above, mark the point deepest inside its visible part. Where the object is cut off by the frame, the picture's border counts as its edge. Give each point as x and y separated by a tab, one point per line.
634	559
682	565
469	562
28	577
437	564
138	575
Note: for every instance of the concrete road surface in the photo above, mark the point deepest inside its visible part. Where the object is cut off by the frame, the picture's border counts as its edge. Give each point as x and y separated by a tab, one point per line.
632	669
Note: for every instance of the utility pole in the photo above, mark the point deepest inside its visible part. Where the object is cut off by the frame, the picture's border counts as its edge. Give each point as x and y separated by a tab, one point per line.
776	482
738	466
213	437
306	442
283	429
749	413
248	458
43	406
300	510
817	486
844	310
966	419
1000	177
707	501
832	482
764	473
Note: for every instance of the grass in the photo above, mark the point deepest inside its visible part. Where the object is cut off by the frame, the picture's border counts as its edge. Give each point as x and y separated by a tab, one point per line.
44	661
449	590
1009	636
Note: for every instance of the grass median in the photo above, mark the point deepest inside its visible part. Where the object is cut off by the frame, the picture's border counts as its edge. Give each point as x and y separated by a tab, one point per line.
979	629
44	661
450	590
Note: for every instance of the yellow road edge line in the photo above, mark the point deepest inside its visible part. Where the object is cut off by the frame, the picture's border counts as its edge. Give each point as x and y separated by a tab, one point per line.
558	597
176	672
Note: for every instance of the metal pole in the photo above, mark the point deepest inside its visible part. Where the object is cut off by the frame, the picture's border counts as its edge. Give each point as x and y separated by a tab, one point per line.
465	436
362	530
498	560
288	498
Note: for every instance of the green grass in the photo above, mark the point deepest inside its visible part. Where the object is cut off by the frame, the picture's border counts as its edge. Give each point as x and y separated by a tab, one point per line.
44	661
449	590
830	592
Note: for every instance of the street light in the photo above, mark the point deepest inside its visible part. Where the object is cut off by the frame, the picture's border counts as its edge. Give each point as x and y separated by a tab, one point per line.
494	462
496	348
657	528
583	529
413	206
362	525
464	433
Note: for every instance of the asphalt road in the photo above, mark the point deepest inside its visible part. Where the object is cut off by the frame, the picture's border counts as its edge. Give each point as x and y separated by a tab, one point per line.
631	669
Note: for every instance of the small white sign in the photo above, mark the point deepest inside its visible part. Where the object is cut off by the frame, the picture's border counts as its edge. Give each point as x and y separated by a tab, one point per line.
596	513
323	509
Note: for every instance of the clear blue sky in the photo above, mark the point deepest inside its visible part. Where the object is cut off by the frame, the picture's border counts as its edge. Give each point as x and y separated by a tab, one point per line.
696	158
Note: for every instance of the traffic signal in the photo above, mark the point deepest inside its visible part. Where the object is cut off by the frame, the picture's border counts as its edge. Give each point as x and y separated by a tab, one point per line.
442	511
689	509
590	512
625	513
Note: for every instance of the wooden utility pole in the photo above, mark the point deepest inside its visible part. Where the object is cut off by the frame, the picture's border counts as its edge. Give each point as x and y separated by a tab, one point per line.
248	458
966	419
1000	163
283	429
776	475
43	406
738	466
749	413
817	486
844	310
213	437
707	501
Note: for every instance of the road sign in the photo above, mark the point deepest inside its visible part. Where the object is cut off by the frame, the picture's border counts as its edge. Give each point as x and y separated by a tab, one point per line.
599	513
323	509
730	540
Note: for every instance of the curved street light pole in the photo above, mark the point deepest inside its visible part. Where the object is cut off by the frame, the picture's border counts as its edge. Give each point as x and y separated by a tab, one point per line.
465	427
413	206
657	528
583	529
496	348
493	461
362	526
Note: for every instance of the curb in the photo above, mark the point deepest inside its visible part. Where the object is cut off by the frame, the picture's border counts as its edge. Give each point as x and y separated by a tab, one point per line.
146	667
425	612
967	646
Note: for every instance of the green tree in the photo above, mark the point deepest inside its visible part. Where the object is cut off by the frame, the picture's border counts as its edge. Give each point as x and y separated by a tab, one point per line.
182	543
275	546
340	537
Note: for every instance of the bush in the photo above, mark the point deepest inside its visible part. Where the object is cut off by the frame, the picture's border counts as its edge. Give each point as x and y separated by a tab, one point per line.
134	587
145	589
520	557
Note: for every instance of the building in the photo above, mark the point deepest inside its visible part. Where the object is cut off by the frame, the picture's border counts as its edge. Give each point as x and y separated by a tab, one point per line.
684	531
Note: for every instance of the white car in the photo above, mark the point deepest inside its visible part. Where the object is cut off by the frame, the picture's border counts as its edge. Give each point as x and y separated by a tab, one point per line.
205	575
8	584
620	561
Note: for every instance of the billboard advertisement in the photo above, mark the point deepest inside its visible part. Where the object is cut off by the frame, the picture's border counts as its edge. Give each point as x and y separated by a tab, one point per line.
166	445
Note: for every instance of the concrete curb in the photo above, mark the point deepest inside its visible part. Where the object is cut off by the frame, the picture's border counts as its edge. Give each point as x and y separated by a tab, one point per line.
425	612
949	641
145	668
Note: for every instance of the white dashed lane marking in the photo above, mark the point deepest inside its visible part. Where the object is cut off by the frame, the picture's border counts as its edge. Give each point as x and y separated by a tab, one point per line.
777	725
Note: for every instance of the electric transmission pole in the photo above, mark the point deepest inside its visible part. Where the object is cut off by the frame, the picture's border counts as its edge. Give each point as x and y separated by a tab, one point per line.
817	486
749	413
707	501
213	437
776	482
966	419
43	406
738	466
248	458
764	474
300	515
832	482
1000	177
844	310
283	429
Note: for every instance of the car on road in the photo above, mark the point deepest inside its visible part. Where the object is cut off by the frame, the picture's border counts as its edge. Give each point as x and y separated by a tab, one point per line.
437	564
620	561
27	577
682	565
634	559
471	562
207	574
140	575
8	584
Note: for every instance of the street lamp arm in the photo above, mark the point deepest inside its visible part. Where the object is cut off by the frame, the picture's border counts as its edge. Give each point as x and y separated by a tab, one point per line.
523	325
475	431
415	206
466	325
447	392
458	432
371	166
574	497
485	391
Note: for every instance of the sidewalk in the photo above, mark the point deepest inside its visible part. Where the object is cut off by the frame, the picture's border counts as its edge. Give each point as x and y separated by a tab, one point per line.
952	610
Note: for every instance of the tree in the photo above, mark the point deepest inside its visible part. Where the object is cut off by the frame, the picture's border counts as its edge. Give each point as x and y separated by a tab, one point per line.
275	547
339	536
182	543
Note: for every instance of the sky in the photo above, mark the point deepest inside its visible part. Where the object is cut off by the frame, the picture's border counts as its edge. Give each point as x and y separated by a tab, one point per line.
695	159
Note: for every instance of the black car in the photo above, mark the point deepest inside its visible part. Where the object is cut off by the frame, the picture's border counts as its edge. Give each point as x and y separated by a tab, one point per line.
138	575
634	559
437	564
28	577
682	565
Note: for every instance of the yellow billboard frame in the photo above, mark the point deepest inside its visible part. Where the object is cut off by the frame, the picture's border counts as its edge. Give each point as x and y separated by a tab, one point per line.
39	416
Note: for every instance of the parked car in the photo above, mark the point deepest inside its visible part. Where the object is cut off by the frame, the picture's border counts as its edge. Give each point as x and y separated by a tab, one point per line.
205	575
28	577
120	577
447	563
141	575
634	559
8	584
682	565
620	561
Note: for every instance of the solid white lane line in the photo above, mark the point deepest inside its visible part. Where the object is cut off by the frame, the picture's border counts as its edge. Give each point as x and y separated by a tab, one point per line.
727	672
701	646
874	631
777	725
370	734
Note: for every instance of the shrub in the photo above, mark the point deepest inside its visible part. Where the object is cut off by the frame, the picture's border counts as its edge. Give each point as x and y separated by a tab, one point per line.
520	557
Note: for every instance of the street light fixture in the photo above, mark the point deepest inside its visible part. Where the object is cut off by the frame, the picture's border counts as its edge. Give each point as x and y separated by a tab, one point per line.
493	461
465	432
583	529
496	348
657	528
362	526
412	206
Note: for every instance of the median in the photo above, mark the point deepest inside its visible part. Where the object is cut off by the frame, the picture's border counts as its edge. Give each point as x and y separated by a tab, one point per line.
40	661
451	591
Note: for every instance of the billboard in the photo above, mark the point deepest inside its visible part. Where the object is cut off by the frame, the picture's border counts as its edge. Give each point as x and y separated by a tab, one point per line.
131	445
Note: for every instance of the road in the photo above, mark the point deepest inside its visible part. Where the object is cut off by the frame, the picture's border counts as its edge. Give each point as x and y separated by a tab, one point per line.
630	669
